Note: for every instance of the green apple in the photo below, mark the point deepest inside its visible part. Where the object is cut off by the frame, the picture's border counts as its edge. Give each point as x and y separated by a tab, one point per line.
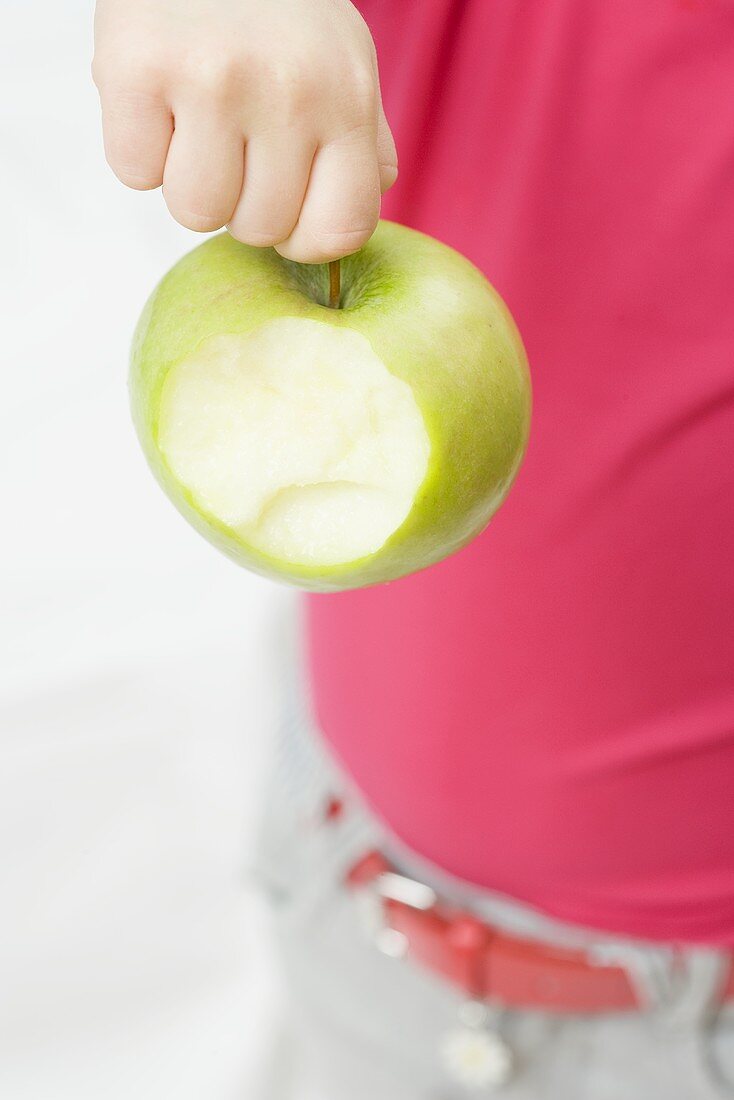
331	447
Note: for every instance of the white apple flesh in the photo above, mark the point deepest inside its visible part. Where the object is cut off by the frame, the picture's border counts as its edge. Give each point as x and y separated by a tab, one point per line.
298	438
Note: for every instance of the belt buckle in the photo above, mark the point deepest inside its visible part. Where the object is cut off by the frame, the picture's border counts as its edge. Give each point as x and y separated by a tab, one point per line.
390	885
473	1054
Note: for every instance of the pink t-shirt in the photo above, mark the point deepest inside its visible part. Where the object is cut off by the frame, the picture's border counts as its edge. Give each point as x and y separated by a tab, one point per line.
550	713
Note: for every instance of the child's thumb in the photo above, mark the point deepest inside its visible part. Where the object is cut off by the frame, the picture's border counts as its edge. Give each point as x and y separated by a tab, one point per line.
387	156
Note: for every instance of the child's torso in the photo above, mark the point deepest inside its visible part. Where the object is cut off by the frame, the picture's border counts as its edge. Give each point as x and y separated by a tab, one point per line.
551	712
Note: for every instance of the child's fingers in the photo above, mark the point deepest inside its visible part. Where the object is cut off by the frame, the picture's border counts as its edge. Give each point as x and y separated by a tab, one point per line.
137	128
263	117
203	173
342	204
276	177
387	155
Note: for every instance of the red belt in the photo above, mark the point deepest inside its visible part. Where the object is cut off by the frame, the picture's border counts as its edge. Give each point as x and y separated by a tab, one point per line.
483	961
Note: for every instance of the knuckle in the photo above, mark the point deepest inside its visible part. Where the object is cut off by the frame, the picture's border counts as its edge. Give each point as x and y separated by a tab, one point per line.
262	228
214	76
127	72
351	225
355	135
363	84
345	240
132	164
134	179
290	88
298	252
333	243
260	238
198	223
128	109
198	220
97	69
106	69
388	175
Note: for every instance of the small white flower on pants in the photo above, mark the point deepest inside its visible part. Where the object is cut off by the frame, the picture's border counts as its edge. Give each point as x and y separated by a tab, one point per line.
476	1058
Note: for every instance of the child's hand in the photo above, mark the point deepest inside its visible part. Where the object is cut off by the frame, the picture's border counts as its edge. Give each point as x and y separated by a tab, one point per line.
261	115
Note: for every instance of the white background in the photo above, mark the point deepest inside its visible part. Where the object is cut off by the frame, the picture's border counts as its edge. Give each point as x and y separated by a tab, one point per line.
136	664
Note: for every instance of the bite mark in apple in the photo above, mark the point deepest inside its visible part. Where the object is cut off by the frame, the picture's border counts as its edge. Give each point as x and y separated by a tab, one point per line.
297	437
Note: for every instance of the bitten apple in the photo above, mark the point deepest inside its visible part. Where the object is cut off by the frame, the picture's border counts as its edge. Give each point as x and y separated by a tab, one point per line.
331	447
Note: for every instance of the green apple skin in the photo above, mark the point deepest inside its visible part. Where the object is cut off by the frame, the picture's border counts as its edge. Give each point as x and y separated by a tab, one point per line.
435	322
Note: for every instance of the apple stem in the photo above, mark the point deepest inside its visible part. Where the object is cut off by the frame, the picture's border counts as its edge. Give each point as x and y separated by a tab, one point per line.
334	284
